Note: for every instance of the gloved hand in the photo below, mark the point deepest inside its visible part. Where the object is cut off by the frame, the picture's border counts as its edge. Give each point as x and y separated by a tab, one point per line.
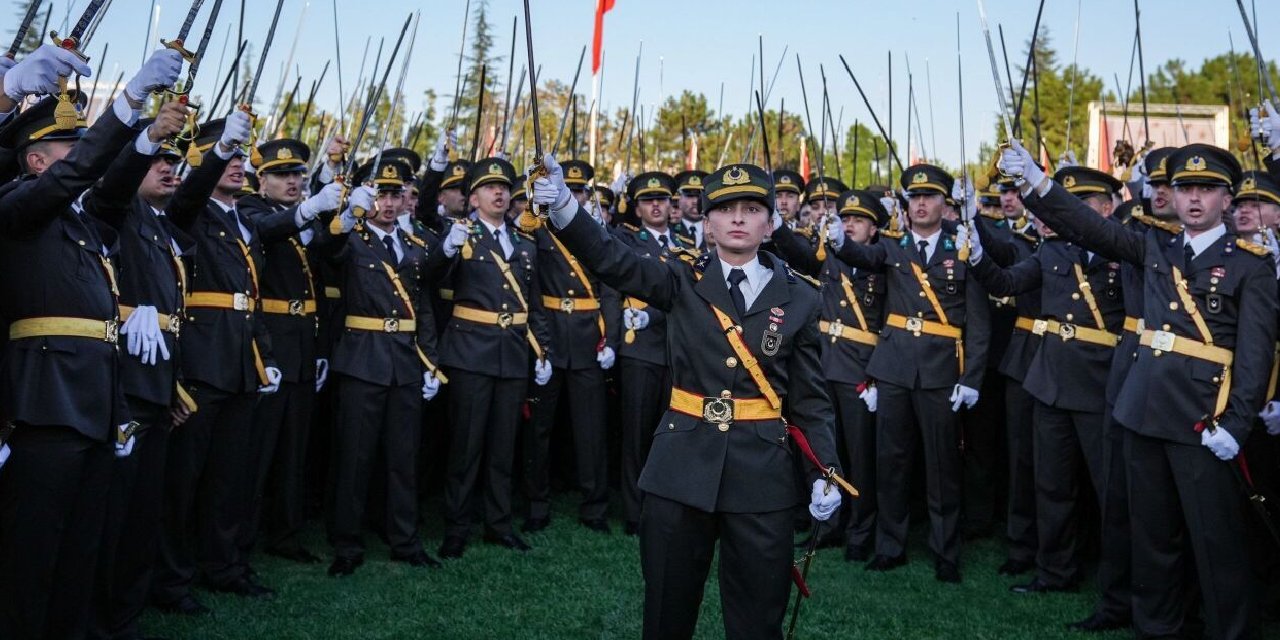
870	396
144	336
635	319
835	232
160	71
606	358
541	373
1221	443
457	237
619	184
237	130
1264	124
328	199
963	236
1017	161
551	190
962	193
440	157
963	395
39	71
824	500
430	385
1067	159
322	372
6	63
362	198
126	431
1270	415
4	448
273	381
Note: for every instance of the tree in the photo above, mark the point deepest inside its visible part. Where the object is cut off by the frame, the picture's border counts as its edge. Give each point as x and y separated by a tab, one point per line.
33	37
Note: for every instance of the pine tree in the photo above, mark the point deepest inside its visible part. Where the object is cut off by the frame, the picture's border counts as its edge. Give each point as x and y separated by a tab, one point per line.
33	37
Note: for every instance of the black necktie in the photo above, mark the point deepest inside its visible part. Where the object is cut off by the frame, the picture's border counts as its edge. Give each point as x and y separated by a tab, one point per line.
1188	254
390	244
497	239
924	250
736	276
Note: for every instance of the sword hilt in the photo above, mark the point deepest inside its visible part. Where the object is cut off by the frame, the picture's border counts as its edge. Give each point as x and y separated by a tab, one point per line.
179	46
536	170
70	43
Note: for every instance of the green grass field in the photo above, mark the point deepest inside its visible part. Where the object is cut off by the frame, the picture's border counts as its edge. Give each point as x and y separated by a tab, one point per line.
579	584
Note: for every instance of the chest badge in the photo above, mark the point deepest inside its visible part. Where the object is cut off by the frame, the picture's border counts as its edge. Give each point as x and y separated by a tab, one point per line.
771	342
1213	303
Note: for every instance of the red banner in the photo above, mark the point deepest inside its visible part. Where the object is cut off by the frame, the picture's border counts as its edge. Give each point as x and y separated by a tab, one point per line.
597	40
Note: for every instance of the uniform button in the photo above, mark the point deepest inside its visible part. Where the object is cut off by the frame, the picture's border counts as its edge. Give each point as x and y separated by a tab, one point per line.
921	294
1157	353
395	312
82	243
506	286
844	303
504	305
1173	306
1215	379
731	362
1075	296
1164	327
1070	317
571	292
671	427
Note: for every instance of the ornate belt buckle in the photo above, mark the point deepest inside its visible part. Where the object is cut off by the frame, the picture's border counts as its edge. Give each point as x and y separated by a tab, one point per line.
175	325
566	305
391	325
718	411
1067	331
111	331
505	319
835	329
297	308
1163	341
915	325
1039	327
240	301
1142	325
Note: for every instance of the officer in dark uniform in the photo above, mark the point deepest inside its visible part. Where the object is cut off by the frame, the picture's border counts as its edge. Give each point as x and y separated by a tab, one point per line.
387	363
788	189
227	362
644	377
929	363
606	199
583	317
821	195
291	289
689	188
1082	317
852	317
721	468
64	410
497	323
1194	390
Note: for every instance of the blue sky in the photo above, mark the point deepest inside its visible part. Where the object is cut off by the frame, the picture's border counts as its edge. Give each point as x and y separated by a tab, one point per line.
699	45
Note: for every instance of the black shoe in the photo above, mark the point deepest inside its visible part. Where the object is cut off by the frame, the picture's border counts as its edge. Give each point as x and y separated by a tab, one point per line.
297	554
245	587
534	525
886	563
419	559
946	572
510	541
855	553
599	525
631	528
185	606
1037	586
1015	567
344	566
1097	623
452	547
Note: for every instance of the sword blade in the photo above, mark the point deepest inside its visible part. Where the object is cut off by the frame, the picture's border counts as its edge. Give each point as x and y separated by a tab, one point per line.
82	25
533	84
204	44
1257	52
93	26
21	34
191	20
262	57
995	72
573	87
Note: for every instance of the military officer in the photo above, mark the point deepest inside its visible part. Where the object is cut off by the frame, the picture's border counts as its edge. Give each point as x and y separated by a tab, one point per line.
788	188
929	363
821	195
689	186
720	468
1194	390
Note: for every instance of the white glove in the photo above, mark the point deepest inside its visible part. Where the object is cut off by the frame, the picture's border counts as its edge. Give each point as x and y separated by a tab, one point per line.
870	395
430	385
4	448
824	500
39	71
160	71
1017	161
457	237
273	381
972	239
606	358
619	184
145	337
123	450
541	373
635	319
237	129
1067	159
6	63
835	232
776	219
1221	443
1264	124
1270	415
328	199
322	372
551	190
440	157
962	193
963	395
362	198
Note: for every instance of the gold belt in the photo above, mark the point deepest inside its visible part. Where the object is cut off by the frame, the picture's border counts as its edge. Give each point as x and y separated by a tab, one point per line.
172	324
570	305
1068	331
838	329
384	325
918	326
333	293
1165	342
105	330
289	307
722	410
1134	325
504	319
217	300
1027	324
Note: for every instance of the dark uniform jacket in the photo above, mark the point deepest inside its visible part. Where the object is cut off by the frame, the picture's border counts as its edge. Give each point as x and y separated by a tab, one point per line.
843	360
479	283
54	266
1234	290
1006	247
218	344
749	467
576	333
650	343
927	361
1065	373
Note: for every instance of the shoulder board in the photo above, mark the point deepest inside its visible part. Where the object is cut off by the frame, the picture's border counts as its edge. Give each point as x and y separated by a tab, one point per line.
416	240
701	262
1252	247
630	227
992	216
526	235
1151	221
805	231
1026	236
892	234
792	275
685	239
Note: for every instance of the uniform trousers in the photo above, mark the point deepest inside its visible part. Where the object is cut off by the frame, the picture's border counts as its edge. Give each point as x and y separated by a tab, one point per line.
282	429
585	389
1063	440
1019	433
857	428
645	391
485	414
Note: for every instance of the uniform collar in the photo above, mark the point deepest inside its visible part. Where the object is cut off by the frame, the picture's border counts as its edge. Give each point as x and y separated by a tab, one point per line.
1203	241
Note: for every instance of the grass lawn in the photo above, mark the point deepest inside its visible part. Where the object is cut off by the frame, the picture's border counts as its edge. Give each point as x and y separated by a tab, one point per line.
579	584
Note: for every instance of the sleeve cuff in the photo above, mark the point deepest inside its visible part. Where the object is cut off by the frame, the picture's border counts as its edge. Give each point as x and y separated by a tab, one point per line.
561	218
217	149
124	112
145	146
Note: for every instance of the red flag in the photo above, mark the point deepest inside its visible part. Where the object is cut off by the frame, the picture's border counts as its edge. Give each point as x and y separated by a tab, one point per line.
691	161
804	160
597	40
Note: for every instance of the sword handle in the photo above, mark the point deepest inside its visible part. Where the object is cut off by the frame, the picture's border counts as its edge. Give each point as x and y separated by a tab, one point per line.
536	171
179	46
71	44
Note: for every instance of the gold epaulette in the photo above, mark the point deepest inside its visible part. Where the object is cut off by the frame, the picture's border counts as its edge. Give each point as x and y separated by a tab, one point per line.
805	231
889	233
1252	247
1151	221
689	256
991	216
527	235
811	280
1026	236
630	227
416	240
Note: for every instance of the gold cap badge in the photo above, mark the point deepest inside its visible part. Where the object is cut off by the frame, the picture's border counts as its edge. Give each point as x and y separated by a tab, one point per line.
919	178
736	176
1196	163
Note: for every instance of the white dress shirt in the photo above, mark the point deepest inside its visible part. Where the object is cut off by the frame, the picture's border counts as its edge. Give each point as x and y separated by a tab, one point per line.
757	277
504	238
1204	239
930	240
395	240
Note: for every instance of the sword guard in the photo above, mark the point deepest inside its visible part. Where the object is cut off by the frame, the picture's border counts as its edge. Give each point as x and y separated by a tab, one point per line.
178	45
536	170
70	44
